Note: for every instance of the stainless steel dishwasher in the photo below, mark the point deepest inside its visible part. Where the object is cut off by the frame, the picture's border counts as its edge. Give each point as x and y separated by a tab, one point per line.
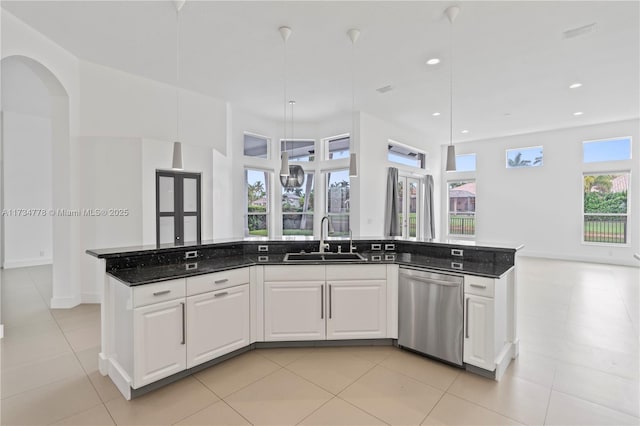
430	313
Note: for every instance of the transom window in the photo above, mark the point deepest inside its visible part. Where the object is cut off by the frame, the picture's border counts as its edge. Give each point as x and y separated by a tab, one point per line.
466	163
299	149
337	147
606	150
402	154
256	146
524	157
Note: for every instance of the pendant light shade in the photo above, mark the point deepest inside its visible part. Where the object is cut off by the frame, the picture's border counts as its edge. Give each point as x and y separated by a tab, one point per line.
353	167
284	164
177	156
451	158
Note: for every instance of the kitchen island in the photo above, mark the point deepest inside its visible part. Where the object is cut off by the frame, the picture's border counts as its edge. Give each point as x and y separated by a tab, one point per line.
170	311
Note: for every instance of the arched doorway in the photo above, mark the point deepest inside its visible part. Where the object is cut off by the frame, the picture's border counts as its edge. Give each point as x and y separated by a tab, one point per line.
36	174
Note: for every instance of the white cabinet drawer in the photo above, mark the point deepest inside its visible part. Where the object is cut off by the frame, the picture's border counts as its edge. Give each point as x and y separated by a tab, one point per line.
217	281
294	273
479	286
158	292
356	272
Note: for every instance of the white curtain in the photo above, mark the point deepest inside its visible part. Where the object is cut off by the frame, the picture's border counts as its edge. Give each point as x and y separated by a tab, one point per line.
392	208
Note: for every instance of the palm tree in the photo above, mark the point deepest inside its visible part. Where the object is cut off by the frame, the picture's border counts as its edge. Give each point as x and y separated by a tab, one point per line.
517	161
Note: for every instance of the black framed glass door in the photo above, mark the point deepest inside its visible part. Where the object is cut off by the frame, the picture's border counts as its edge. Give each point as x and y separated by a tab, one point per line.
178	212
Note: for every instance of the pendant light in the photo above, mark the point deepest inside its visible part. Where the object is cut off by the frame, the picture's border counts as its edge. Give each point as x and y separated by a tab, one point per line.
291	175
353	35
451	13
177	146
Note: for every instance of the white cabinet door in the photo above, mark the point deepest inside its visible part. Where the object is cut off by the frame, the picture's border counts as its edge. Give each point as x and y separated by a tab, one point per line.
479	332
218	322
356	309
294	310
159	341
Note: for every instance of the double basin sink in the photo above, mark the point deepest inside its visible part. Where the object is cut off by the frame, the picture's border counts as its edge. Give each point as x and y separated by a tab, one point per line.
323	257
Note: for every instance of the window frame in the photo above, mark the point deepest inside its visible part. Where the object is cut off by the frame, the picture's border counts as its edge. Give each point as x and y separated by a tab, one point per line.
448	204
268	174
326	174
475	163
627	215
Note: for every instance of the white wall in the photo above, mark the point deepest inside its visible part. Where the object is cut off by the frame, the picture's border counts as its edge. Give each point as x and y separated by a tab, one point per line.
541	207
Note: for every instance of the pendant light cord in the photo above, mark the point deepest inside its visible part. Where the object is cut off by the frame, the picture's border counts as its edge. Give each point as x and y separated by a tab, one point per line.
353	91
284	103
451	86
177	75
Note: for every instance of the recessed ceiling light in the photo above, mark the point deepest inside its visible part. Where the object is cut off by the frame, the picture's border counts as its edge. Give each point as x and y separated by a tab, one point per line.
578	113
435	114
575	85
433	61
464	131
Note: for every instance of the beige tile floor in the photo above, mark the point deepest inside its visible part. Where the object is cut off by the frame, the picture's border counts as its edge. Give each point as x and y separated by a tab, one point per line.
578	365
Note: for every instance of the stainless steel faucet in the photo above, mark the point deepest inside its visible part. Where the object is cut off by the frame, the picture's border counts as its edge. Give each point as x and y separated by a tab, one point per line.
323	246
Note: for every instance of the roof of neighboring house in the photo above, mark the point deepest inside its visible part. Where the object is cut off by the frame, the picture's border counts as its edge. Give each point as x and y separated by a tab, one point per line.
463	191
620	184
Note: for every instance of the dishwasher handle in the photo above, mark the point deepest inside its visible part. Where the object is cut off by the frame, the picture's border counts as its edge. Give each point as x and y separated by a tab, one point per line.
432	281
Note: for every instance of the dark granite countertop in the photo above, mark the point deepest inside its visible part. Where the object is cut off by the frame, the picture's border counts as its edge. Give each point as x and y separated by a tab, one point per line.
134	276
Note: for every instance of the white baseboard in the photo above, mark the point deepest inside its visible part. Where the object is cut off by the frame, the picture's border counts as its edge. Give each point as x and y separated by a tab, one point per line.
10	264
90	298
588	259
64	302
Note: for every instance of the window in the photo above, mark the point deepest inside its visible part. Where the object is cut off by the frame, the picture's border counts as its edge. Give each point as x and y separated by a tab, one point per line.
605	208
606	150
462	207
409	200
299	150
256	146
297	208
466	163
524	157
338	202
257	187
178	200
337	147
402	154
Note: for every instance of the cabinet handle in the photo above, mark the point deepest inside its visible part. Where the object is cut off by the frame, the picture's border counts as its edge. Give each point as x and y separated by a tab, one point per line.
321	302
160	293
466	319
330	301
222	281
184	325
478	285
224	293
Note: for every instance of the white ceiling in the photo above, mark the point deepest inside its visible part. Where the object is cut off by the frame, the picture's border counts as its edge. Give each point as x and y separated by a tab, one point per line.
512	65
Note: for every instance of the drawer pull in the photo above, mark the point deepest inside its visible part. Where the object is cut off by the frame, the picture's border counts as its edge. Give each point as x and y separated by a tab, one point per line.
478	285
224	293
161	293
184	325
466	319
222	281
